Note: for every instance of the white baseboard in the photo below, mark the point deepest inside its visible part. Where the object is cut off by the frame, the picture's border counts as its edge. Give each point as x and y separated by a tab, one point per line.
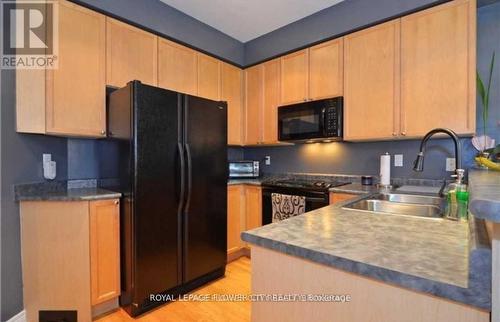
19	317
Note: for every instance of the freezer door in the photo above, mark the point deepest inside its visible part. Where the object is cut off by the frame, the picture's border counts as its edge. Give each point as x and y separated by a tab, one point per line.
157	190
205	219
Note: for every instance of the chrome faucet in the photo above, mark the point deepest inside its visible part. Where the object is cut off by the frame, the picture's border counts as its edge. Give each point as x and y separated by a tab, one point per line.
418	165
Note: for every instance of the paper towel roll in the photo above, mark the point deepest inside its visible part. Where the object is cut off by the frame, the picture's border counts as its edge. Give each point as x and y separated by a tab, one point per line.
385	169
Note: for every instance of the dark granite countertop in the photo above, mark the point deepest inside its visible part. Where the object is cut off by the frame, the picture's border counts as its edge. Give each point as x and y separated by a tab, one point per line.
440	257
484	188
253	182
76	190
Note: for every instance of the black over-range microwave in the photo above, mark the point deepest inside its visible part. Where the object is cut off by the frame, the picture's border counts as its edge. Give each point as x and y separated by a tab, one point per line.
313	121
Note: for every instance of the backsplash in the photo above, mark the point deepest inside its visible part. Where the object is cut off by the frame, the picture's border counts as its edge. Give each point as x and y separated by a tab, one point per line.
360	158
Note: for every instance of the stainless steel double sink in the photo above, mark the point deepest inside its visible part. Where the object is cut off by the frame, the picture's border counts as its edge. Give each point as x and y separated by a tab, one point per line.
401	204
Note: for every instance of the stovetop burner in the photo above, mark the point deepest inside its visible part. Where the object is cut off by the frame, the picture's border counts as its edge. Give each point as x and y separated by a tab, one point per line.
304	184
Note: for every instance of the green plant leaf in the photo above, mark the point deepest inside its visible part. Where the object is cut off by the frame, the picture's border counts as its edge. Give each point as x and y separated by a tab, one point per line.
480	88
487	100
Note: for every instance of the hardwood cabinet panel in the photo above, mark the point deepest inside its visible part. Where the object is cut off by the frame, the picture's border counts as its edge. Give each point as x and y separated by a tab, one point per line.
271	96
336	197
253	207
231	92
371	83
208	77
253	104
55	257
326	66
76	98
104	250
131	54
177	69
235	214
294	77
438	69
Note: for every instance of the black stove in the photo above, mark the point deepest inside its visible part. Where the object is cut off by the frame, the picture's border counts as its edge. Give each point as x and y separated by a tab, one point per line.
303	184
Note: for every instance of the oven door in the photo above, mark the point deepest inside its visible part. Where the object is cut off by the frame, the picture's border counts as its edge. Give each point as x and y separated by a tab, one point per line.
300	122
314	200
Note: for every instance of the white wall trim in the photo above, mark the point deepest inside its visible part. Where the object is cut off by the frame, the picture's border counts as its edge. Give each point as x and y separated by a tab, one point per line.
19	317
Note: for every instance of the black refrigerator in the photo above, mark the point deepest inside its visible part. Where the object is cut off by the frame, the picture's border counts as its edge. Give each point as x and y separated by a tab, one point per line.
168	153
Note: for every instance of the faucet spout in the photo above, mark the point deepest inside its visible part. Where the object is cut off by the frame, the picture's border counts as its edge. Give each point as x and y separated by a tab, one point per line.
418	165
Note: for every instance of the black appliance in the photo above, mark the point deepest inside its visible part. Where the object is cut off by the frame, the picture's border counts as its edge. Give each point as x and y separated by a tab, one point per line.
311	121
244	169
316	194
168	152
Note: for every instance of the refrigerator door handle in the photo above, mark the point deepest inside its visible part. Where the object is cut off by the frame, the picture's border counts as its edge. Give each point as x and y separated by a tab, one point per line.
189	177
182	191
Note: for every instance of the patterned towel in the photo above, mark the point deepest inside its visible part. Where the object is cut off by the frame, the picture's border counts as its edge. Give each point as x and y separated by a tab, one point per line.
286	206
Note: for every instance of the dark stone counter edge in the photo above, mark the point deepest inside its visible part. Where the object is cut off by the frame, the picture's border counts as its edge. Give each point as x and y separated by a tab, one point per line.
477	294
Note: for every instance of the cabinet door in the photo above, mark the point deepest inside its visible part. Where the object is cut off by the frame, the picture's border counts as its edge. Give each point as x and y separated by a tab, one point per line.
253	105
231	92
208	77
294	77
76	92
177	67
371	83
326	68
235	213
253	207
104	250
131	54
271	75
438	69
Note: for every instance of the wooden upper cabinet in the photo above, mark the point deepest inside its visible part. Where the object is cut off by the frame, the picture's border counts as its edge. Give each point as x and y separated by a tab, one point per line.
371	83
253	104
177	68
131	54
326	66
271	97
209	76
294	77
438	61
231	92
76	91
104	250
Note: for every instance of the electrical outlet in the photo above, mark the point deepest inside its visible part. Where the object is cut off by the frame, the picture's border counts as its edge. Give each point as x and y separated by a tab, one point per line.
268	160
450	164
398	160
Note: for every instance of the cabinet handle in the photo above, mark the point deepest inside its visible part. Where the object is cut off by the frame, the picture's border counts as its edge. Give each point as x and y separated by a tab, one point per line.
103	132
116	202
403	133
393	133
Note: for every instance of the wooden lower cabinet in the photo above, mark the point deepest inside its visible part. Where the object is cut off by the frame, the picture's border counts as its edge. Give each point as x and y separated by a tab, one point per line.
70	256
336	197
244	212
104	250
235	217
253	207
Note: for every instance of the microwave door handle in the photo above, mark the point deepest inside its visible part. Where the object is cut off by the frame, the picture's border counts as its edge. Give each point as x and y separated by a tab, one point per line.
323	121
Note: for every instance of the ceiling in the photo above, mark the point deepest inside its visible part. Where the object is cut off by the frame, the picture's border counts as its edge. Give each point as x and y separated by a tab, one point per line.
248	19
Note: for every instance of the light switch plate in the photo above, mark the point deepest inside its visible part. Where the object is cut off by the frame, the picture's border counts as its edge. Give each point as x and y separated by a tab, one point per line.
450	164
268	160
398	160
